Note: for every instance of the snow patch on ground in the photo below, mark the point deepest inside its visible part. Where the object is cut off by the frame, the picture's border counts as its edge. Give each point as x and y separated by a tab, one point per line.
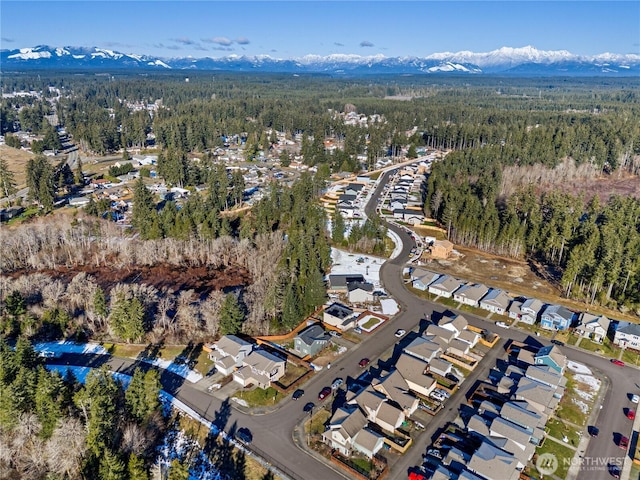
183	370
584	408
591	381
578	368
389	306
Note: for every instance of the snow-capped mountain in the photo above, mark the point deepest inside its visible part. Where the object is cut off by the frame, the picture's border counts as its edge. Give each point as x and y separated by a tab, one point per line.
525	61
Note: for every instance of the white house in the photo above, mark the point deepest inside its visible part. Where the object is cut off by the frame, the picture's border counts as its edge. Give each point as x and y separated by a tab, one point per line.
530	310
445	286
496	301
260	368
628	336
360	292
470	294
594	327
229	352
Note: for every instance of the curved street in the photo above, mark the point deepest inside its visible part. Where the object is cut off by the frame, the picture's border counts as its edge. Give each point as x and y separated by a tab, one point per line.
274	434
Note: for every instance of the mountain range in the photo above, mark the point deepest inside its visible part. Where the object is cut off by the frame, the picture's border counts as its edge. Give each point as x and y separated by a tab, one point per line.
524	61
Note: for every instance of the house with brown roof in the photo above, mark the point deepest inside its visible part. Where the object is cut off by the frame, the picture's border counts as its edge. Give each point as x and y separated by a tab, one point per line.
413	371
455	324
496	301
343	427
444	286
441	249
396	389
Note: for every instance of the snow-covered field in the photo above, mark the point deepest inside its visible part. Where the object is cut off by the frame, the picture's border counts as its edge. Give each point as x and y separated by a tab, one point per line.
578	368
345	262
58	348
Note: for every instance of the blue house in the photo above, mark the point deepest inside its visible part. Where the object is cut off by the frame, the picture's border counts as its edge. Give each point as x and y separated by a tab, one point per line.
556	317
551	356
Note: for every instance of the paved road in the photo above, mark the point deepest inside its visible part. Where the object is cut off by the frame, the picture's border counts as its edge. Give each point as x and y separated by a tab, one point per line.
272	432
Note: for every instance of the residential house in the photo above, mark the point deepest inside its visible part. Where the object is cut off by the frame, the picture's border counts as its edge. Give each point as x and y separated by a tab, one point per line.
422	282
542	397
593	327
260	368
398	205
228	353
344	425
530	309
339	282
458	347
547	375
311	340
515	310
353	189
522	414
423	348
360	292
346	200
413	371
470	294
556	317
551	356
470	337
335	314
496	301
444	335
445	286
492	463
410	216
628	336
368	442
378	410
440	367
455	324
441	249
396	389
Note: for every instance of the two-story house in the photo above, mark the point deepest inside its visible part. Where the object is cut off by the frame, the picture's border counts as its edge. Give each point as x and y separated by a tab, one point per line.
593	327
228	353
530	310
556	317
260	368
628	336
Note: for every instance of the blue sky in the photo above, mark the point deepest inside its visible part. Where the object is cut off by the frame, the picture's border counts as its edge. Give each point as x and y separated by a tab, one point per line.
292	29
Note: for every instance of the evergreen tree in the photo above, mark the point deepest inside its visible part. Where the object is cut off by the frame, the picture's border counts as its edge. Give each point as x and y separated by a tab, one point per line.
231	315
136	468
178	470
111	466
143	213
337	227
7	179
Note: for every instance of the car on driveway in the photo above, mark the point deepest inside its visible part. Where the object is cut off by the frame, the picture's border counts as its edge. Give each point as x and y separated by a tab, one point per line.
623	443
400	333
335	334
337	383
324	393
614	470
615	361
635	398
631	414
364	362
299	393
593	430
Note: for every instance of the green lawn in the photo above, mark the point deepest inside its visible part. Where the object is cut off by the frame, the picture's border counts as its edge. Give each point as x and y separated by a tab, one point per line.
573	339
563	454
479	312
606	348
557	428
259	397
316	425
292	373
373	321
631	357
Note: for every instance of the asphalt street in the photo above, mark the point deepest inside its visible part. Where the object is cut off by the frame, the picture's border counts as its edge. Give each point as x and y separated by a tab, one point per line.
273	432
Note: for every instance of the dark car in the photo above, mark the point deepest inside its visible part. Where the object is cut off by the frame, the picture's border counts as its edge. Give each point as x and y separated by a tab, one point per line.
364	362
614	471
452	377
593	430
308	407
324	393
558	342
299	393
244	435
623	443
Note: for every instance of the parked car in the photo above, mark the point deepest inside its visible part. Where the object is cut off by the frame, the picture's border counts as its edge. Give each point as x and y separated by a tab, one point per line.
364	362
442	392
337	383
335	334
215	386
557	342
299	393
324	393
357	330
593	430
452	377
614	470
244	435
308	407
631	414
623	443
635	398
400	333
615	361
437	396
502	324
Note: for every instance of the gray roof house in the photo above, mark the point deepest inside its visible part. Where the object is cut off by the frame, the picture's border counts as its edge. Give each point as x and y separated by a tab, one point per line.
542	397
530	309
496	301
546	375
492	463
396	389
440	367
628	336
470	337
353	188
445	286
343	427
339	282
311	340
260	368
444	333
229	352
413	371
551	356
360	292
470	294
423	348
368	442
423	278
455	324
515	310
593	327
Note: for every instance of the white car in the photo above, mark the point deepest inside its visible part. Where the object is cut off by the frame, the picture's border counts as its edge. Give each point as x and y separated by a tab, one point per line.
635	399
400	333
502	324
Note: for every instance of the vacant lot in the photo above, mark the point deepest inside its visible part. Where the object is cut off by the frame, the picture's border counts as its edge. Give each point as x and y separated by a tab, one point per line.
17	161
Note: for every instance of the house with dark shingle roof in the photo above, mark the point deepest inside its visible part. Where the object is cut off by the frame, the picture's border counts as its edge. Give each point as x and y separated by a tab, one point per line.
556	317
311	340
